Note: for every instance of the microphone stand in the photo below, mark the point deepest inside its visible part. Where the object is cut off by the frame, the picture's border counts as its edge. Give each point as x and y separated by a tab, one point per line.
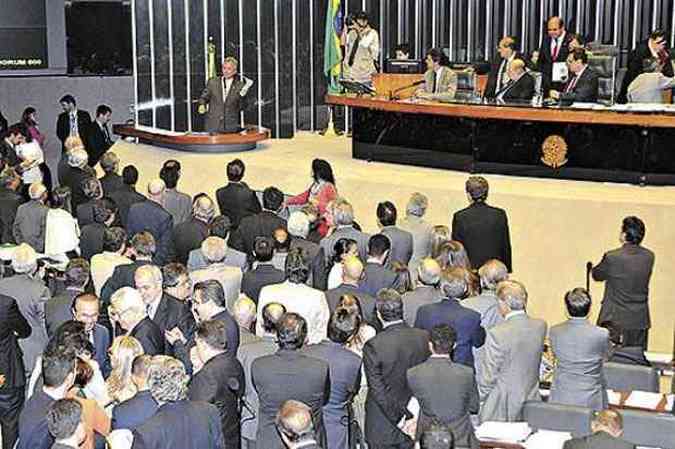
393	93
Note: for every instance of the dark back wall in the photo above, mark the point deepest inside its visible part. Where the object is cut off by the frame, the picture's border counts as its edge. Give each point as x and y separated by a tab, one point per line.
279	44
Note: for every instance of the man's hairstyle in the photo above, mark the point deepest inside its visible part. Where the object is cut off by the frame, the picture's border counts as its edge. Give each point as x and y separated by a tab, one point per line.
60	197
492	273
428	272
110	162
509	42
36	190
92	188
386	213
140	365
378	245
144	244
130	175
170	173
63	417
513	293
167	379
389	304
294	421
282	241
231	60
77	272
100	212
417	205
214	249
578	37
272	198
57	365
214	334
651	65
102	110
24	259
561	22
657	34
343	212
235	170
291	331
578	302
477	187
579	54
403	48
220	226
443	338
453	283
263	249
171	274
437	437
271	315
298	224
634	229
437	56
297	268
114	239
608	420
343	325
68	99
210	291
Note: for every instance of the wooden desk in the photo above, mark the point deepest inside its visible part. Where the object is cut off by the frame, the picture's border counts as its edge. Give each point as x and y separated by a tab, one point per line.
385	83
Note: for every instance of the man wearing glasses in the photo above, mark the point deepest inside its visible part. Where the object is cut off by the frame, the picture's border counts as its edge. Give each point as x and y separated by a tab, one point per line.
655	47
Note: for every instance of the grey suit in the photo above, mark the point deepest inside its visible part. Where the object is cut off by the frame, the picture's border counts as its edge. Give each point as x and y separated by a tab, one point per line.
30	295
30	224
441	87
447	394
510	367
580	348
599	440
377	277
421	233
246	337
345	232
401	245
223	115
179	205
233	258
421	296
486	305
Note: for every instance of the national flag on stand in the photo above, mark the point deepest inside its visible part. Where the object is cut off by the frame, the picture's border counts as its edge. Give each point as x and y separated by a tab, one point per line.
332	58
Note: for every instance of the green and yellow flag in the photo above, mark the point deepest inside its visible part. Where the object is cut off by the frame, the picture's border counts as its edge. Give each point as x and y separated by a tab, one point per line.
332	58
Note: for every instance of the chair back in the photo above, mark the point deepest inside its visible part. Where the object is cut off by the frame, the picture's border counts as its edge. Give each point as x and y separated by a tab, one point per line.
625	377
649	429
558	417
605	67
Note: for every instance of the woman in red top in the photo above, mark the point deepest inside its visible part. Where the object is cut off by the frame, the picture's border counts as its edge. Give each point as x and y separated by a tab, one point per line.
320	193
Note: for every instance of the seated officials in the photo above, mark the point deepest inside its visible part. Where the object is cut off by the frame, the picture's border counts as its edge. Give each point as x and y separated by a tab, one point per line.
520	87
440	82
607	427
648	86
499	75
582	87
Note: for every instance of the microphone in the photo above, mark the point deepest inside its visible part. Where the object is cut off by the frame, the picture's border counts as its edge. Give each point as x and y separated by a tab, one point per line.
234	385
589	268
392	94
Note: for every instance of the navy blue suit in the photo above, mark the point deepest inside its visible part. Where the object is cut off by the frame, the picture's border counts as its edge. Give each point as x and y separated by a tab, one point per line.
153	218
149	336
33	431
466	322
101	344
134	412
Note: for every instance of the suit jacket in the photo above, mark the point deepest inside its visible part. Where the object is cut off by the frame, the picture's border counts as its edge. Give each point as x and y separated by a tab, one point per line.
345	380
545	61
102	343
386	359
447	394
178	204
233	258
97	142
253	226
188	236
580	349
317	261
345	232
466	322
223	114
585	90
497	71
13	326
401	245
74	178
421	296
211	384
639	54
229	278
510	368
123	276
181	425
91	240
30	295
63	126
421	233
486	305
275	378
125	197
173	313
367	302
484	232
33	431
520	90
134	412
85	213
263	275
149	336
443	88
8	154
59	309
626	272
246	355
150	216
111	182
598	440
30	225
231	329
9	204
236	200
376	277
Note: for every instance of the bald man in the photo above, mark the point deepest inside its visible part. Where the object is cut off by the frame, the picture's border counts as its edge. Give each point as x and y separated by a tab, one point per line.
554	50
426	291
294	423
520	87
607	427
152	217
31	218
243	312
499	76
190	234
352	272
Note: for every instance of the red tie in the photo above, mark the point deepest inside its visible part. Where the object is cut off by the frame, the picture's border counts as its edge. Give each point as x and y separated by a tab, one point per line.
554	55
572	84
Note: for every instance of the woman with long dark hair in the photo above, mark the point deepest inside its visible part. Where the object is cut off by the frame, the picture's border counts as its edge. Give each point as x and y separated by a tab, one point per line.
321	192
343	249
29	119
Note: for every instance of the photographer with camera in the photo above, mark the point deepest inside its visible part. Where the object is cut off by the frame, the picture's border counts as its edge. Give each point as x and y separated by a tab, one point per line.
362	49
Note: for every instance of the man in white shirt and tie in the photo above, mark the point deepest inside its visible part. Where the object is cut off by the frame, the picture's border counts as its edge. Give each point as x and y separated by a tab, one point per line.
72	121
499	74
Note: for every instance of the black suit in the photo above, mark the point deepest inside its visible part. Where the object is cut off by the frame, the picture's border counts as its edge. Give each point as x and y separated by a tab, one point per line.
3	123
181	425
260	225
188	236
639	54
98	142
212	384
73	178
9	203
484	232
386	359
111	182
123	276
584	90
153	218
289	374
545	61
497	71
598	440
125	197
59	309
173	313
91	240
520	90
236	200
33	431
85	213
8	153
63	126
12	327
134	412
263	275
149	336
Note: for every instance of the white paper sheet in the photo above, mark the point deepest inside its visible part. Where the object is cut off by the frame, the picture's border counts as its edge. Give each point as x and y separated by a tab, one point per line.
511	432
548	439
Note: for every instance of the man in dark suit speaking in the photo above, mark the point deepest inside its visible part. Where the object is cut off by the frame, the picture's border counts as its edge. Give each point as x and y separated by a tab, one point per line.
225	97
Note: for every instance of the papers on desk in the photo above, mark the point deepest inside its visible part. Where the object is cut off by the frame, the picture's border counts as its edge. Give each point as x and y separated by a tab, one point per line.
547	439
647	400
662	358
642	107
508	432
614	397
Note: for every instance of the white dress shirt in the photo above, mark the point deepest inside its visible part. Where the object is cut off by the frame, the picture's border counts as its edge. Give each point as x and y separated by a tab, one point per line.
102	267
62	233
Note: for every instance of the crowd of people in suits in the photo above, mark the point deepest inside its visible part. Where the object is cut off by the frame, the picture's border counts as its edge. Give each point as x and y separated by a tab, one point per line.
192	322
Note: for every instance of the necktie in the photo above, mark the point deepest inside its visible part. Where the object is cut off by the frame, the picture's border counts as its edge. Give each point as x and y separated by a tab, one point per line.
73	125
352	55
433	88
554	53
107	132
572	84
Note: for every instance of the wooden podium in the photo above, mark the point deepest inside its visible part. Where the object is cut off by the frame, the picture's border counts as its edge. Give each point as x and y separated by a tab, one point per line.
386	83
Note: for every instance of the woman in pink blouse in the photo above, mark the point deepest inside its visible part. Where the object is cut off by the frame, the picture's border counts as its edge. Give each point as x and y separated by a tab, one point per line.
29	118
320	193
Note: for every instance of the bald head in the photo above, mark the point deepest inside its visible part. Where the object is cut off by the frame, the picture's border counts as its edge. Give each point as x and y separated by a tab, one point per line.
156	189
609	421
352	269
492	273
243	311
37	191
429	272
204	209
271	315
294	421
